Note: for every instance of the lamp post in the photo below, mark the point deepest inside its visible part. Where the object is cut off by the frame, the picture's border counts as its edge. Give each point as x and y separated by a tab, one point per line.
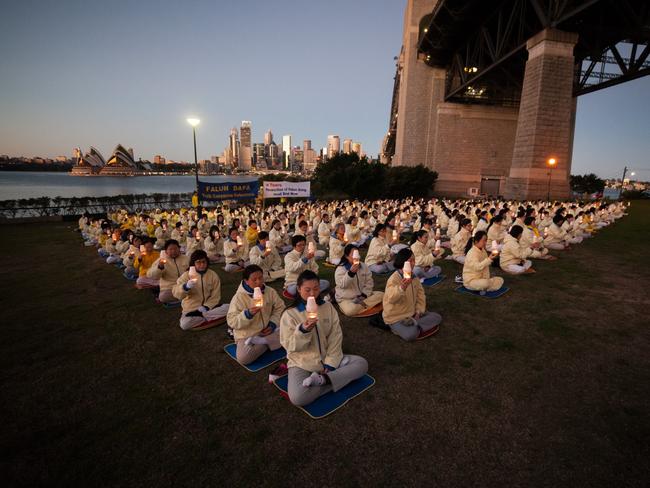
194	122
551	164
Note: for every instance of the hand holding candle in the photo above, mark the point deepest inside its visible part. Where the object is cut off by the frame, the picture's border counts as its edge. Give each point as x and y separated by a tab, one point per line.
495	248
258	297
312	309
407	270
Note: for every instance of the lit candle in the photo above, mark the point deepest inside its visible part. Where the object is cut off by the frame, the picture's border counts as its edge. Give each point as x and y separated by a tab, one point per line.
395	234
356	258
192	273
258	297
545	231
345	237
437	246
312	308
163	257
437	232
268	245
311	248
239	241
495	250
407	270
143	250
198	237
310	229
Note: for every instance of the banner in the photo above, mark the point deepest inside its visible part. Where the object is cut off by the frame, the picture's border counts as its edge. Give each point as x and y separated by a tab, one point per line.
228	190
287	189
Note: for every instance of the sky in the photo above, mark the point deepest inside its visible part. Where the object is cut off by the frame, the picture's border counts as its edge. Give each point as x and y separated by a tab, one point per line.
88	72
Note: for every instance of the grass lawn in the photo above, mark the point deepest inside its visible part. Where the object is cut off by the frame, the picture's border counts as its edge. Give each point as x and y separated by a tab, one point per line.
547	386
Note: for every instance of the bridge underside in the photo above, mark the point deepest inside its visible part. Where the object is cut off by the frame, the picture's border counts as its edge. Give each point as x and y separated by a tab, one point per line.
485	91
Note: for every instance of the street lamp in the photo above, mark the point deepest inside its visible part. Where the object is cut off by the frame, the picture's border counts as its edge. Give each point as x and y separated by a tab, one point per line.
194	122
551	164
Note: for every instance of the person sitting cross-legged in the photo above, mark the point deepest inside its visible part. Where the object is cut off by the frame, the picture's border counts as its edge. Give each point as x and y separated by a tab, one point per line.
255	324
354	293
200	293
405	303
513	255
168	269
296	261
476	270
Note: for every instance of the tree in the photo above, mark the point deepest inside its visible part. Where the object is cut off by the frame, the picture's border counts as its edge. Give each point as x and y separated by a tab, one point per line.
589	183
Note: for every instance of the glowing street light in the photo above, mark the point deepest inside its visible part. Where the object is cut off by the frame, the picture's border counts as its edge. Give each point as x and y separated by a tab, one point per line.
194	122
551	164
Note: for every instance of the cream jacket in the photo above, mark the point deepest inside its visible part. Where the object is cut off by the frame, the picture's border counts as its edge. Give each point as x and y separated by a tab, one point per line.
378	251
336	249
477	265
168	277
512	252
401	304
246	325
294	265
314	349
555	235
459	241
206	292
235	253
267	263
423	255
350	287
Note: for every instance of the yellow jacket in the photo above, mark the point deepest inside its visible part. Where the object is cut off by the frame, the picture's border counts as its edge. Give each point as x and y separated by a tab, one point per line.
246	325
401	304
251	236
168	277
206	292
144	261
294	265
378	251
314	349
477	265
512	252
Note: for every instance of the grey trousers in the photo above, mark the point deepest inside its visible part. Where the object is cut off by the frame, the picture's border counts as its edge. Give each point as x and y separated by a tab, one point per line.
300	395
410	329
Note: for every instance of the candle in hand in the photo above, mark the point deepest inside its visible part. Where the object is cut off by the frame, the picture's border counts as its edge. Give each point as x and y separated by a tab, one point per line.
407	270
192	273
311	248
495	250
395	234
356	258
258	297
312	308
143	250
437	246
163	257
239	241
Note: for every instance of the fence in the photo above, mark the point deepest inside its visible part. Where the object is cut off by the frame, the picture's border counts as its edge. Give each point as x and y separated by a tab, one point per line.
43	207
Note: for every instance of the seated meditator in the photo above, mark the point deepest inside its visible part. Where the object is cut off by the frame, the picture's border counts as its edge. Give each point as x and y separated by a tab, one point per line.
555	237
168	268
199	288
405	304
460	240
303	230
513	258
148	256
296	261
213	245
256	325
338	240
379	256
313	342
266	256
476	270
354	285
194	241
235	251
424	256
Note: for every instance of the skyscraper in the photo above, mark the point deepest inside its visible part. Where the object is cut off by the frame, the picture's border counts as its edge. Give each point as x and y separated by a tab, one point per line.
286	149
268	138
233	146
258	155
347	146
333	145
356	148
306	145
246	148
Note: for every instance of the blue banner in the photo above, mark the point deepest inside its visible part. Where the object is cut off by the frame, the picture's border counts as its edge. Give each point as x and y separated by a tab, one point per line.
228	190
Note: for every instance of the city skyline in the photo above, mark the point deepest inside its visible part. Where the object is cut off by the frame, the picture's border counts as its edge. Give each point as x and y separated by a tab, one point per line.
138	85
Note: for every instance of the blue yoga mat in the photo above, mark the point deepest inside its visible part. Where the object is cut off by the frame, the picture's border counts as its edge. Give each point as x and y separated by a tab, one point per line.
488	294
332	401
433	281
265	360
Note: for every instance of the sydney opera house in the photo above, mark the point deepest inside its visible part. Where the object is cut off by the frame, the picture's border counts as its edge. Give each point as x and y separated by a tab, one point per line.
121	163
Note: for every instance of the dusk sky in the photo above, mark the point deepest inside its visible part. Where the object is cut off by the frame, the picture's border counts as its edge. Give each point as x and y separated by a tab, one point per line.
82	73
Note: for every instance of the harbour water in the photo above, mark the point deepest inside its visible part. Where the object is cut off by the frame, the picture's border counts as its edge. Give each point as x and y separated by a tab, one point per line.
31	184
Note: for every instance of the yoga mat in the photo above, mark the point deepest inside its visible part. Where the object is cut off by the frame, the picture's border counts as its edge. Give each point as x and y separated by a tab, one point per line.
433	281
264	361
488	294
332	401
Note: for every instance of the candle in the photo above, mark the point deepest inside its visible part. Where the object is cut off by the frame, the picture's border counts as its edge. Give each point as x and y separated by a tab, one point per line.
356	258
310	229
258	297
395	234
495	250
239	241
545	231
407	270
345	237
163	257
198	237
192	273
312	308
437	247
143	250
268	245
437	232
311	248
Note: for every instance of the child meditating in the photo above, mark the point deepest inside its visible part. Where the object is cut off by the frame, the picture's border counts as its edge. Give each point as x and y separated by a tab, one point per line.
254	315
311	333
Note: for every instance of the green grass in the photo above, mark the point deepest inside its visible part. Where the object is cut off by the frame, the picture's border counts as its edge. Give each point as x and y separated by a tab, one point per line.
546	386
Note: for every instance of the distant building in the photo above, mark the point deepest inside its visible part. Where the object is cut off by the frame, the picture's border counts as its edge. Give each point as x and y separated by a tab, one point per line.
121	163
259	157
246	146
268	138
158	159
273	156
356	148
286	149
61	159
347	146
90	164
333	145
233	146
